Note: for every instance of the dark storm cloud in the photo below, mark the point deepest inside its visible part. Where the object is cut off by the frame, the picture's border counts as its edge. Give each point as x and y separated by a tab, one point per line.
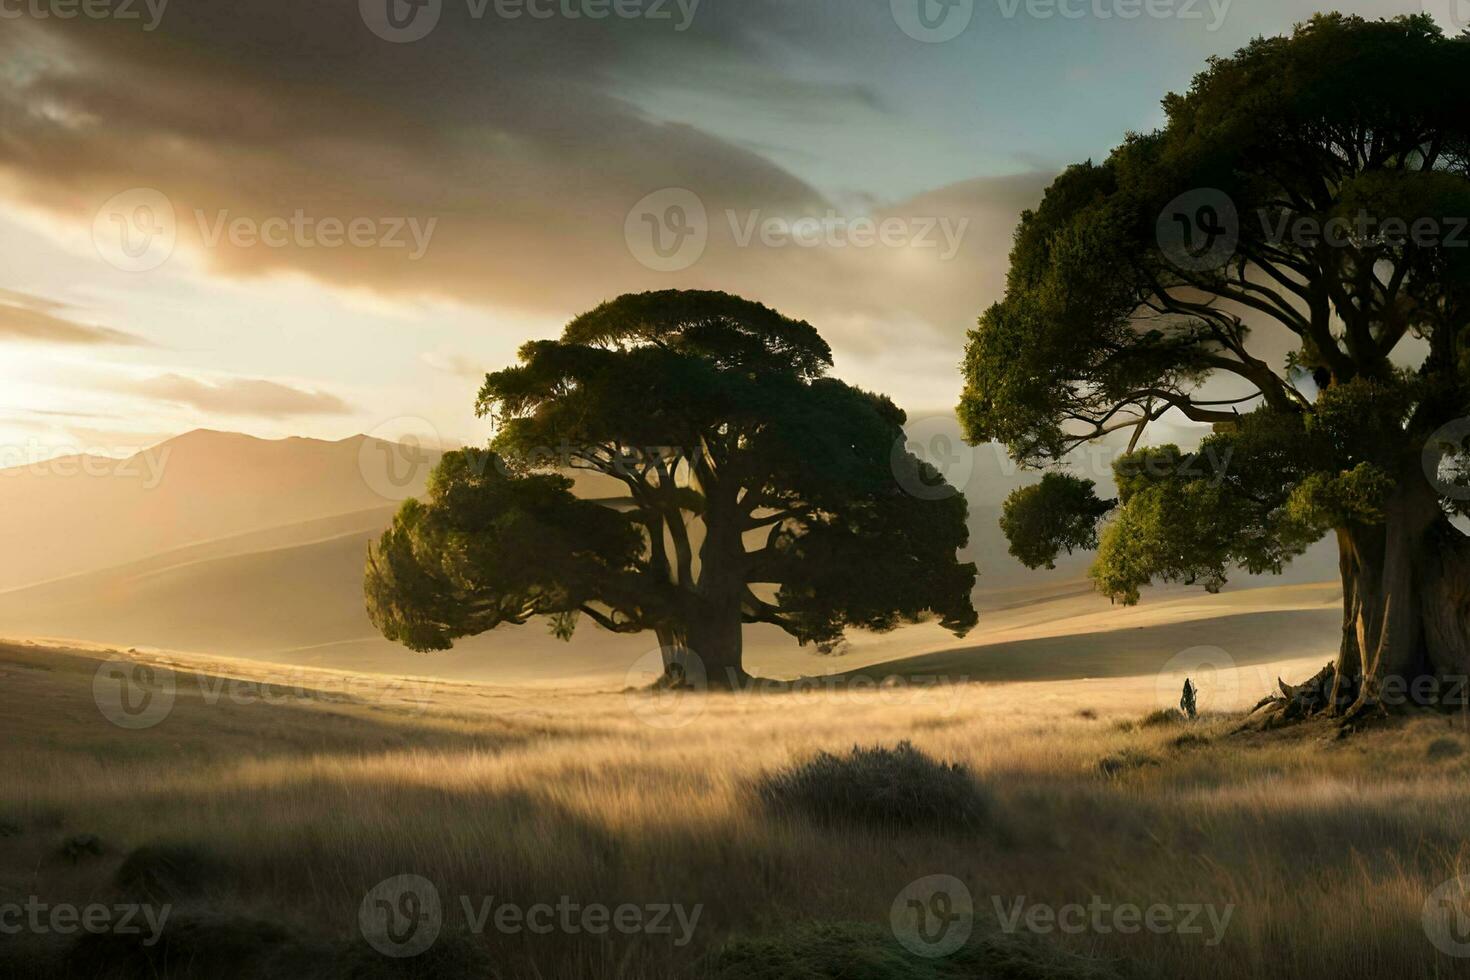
515	137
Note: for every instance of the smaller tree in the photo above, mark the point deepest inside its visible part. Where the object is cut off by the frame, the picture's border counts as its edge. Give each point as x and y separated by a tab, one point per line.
1285	261
751	488
1059	513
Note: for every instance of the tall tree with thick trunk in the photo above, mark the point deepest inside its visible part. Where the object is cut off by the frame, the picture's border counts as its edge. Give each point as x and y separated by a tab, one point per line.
734	483
1288	259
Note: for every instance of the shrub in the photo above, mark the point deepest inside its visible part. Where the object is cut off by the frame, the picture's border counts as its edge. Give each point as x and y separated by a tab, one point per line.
887	788
1444	748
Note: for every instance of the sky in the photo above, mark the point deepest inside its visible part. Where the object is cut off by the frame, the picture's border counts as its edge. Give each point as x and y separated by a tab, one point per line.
322	218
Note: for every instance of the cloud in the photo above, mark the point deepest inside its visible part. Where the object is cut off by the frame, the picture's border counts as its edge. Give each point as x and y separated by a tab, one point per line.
33	319
526	143
459	365
503	131
240	396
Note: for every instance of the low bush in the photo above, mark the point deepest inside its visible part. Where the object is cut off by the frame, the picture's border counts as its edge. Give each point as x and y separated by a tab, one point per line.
1444	748
896	788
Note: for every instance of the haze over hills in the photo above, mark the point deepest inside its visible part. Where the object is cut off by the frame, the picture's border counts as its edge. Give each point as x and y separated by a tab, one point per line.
222	543
78	514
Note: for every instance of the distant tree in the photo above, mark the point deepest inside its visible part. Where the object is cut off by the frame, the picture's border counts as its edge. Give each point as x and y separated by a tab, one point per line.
752	488
1296	234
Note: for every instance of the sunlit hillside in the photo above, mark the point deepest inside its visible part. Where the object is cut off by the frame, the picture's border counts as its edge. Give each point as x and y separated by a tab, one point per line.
267	804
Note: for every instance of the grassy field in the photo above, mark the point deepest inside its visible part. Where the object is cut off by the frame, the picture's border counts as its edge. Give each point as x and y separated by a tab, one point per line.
266	805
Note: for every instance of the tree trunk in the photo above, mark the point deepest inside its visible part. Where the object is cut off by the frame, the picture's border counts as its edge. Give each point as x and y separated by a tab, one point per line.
1406	607
680	668
716	639
704	647
704	652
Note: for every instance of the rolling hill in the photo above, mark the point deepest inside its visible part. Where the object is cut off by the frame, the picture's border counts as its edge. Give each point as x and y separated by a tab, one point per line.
255	548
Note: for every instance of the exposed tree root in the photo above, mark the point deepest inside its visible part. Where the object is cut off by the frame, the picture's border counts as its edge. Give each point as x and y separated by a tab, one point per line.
1319	696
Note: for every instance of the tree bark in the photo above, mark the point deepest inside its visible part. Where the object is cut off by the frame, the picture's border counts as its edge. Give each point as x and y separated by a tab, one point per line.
680	669
715	620
1406	607
716	638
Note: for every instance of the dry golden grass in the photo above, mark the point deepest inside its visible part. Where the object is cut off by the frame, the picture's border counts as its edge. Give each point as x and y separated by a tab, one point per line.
1326	849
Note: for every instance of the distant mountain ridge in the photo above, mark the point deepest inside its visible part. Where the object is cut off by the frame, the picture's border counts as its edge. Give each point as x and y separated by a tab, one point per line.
77	514
254	547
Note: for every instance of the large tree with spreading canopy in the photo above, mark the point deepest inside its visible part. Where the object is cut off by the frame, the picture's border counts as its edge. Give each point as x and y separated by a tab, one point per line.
748	487
1287	260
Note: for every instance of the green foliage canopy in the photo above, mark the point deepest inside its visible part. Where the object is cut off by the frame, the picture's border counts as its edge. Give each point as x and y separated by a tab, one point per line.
738	481
1335	166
